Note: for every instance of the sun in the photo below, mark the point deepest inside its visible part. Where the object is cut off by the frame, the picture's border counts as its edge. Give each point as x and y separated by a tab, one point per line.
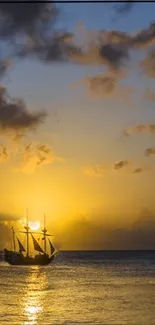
34	225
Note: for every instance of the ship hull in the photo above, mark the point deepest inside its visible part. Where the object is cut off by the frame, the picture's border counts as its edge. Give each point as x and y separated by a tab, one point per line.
14	258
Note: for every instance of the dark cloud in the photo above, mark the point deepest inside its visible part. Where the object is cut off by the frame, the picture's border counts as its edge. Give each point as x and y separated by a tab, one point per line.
18	23
121	164
14	115
25	18
114	55
52	49
149	152
30	30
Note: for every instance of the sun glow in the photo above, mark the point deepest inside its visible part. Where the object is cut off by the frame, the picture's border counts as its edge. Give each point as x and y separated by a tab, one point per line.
34	225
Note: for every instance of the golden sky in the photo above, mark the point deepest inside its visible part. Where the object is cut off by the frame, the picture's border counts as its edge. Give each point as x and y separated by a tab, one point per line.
80	146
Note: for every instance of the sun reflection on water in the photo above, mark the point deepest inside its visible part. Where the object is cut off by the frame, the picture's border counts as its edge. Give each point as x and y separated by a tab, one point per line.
34	296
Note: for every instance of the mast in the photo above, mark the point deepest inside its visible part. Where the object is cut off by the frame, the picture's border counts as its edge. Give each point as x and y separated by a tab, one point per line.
27	234
44	233
14	243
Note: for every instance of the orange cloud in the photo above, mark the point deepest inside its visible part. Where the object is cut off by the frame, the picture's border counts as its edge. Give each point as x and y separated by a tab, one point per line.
34	156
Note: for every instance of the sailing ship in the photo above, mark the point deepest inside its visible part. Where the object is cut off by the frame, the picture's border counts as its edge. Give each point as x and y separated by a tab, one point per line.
23	257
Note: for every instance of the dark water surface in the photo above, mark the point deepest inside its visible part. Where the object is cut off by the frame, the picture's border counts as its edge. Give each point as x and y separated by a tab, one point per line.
92	287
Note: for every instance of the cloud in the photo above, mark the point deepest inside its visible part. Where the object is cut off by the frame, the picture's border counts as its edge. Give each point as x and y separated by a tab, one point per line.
4	67
140	40
89	233
34	156
149	95
57	48
114	55
140	129
95	170
148	64
111	55
6	217
149	152
6	221
106	86
3	153
6	236
93	232
29	18
14	116
139	170
121	164
123	8
29	30
102	84
112	48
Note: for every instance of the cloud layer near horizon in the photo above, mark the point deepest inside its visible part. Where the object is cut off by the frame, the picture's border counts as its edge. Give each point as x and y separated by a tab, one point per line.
84	232
88	233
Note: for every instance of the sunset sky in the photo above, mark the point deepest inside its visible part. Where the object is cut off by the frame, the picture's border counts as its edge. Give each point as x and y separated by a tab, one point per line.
87	166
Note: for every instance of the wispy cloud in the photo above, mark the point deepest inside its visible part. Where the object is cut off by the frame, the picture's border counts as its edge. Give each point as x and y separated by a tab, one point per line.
112	56
106	86
6	217
139	129
3	153
149	95
149	152
140	40
139	170
34	156
148	64
95	170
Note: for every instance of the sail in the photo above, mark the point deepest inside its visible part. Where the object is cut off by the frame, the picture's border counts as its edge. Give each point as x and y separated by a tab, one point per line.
21	247
51	247
36	245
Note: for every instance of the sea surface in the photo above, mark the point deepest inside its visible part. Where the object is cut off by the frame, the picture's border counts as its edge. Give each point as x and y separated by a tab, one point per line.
80	287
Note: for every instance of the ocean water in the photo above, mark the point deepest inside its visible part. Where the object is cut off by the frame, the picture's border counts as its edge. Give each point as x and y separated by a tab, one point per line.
80	287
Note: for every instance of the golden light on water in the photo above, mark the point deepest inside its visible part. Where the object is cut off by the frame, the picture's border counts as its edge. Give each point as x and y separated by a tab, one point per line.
32	310
34	296
32	313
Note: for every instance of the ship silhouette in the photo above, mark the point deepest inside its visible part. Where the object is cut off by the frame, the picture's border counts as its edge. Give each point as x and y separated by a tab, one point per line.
22	256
